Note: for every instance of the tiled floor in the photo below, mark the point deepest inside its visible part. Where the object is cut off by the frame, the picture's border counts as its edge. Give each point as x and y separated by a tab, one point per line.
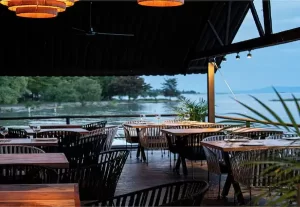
137	175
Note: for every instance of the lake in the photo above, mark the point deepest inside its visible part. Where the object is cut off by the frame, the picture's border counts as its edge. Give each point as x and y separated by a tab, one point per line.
225	105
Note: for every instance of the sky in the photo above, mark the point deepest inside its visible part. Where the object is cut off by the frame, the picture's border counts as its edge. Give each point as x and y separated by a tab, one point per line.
272	66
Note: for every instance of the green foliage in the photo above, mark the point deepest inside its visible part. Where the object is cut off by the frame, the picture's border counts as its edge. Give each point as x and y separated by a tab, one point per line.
12	88
288	191
169	88
196	109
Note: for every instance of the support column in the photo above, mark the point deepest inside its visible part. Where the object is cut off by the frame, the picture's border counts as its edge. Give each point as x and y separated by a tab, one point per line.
211	92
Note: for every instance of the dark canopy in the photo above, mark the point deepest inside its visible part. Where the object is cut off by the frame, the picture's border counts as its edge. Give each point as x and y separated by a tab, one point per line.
164	39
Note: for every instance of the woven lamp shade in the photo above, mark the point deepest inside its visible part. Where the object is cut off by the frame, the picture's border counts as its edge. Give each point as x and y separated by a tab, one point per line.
36	12
161	3
58	5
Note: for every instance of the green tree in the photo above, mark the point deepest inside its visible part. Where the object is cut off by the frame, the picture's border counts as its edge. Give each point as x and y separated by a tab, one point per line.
12	88
169	88
62	92
106	84
87	89
154	94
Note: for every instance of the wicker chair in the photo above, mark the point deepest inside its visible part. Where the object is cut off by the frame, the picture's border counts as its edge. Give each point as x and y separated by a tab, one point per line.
111	133
280	136
97	181
254	164
152	138
214	157
19	149
95	125
184	193
16	133
85	151
27	174
131	135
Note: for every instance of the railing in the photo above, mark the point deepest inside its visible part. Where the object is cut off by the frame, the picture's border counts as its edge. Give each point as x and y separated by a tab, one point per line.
249	121
68	118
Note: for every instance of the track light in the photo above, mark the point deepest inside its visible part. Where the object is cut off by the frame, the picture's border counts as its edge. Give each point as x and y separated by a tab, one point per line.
224	59
249	54
237	56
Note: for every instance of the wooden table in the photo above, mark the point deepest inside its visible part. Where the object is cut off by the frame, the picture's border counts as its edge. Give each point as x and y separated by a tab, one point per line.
40	195
29	142
79	130
226	147
250	129
139	126
181	134
53	160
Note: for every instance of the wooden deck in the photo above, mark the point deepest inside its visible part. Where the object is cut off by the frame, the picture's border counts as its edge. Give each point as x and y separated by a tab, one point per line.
137	175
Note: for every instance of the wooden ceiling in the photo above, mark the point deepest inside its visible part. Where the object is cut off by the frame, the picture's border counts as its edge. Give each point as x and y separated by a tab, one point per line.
164	39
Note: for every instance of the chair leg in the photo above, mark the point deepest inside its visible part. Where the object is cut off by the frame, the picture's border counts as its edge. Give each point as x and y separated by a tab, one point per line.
161	151
130	149
192	170
170	161
208	176
219	187
250	192
147	157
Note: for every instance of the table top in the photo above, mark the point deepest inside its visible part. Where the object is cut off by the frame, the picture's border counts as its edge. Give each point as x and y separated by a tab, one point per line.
228	146
250	129
182	132
151	124
39	195
79	130
53	160
28	142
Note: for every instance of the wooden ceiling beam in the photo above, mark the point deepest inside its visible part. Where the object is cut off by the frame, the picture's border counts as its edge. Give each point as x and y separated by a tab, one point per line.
228	23
215	33
256	43
256	20
267	17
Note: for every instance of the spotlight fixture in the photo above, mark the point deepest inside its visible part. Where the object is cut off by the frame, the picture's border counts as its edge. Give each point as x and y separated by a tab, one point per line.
249	54
224	59
237	56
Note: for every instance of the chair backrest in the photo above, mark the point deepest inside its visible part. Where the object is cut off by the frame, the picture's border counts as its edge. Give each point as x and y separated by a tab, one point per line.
97	181
95	125
152	137
85	151
183	193
19	149
65	138
16	133
280	136
27	174
111	133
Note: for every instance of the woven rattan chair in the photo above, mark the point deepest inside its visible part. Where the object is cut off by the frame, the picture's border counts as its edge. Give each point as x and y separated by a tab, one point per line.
280	136
16	133
95	125
184	193
111	133
27	174
19	149
152	138
97	181
214	157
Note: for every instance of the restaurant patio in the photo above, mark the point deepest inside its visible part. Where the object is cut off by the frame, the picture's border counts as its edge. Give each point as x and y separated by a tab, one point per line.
174	162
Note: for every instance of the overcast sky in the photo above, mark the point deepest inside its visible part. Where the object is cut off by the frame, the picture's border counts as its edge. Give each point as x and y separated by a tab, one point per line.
273	66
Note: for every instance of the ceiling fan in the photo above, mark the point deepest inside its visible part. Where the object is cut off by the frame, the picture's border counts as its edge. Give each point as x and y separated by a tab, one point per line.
91	31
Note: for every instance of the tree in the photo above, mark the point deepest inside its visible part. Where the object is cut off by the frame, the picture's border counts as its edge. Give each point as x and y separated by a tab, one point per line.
87	89
153	94
169	88
131	86
12	88
63	91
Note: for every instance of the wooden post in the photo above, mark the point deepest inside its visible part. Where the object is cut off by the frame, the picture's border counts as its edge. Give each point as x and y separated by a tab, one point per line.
211	92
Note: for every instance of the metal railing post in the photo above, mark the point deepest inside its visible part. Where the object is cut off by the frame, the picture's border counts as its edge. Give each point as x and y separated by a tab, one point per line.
68	120
248	123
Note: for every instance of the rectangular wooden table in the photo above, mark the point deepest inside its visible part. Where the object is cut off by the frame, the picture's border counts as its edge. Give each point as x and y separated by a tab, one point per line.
39	195
28	142
184	132
53	160
79	130
226	147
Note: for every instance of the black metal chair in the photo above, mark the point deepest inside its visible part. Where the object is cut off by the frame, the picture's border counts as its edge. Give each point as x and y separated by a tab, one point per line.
16	133
183	193
95	125
97	181
27	174
19	149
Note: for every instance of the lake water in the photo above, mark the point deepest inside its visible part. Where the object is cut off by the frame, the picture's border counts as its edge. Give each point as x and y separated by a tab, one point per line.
225	105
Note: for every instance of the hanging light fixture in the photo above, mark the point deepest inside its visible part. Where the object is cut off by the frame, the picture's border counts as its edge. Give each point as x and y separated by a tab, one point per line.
37	8
249	54
224	59
237	56
161	3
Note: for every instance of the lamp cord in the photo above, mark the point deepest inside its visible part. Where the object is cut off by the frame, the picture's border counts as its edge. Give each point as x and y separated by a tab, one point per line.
227	85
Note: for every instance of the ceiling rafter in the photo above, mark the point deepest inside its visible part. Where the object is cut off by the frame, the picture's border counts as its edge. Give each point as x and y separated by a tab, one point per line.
256	20
215	33
267	17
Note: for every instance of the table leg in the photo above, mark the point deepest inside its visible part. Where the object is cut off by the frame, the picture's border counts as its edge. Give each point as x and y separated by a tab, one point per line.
230	180
184	168
141	149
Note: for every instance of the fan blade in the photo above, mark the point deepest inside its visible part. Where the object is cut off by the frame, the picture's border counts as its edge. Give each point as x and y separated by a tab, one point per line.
80	30
115	34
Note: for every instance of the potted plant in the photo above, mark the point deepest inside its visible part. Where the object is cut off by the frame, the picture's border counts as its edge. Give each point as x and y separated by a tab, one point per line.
197	110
